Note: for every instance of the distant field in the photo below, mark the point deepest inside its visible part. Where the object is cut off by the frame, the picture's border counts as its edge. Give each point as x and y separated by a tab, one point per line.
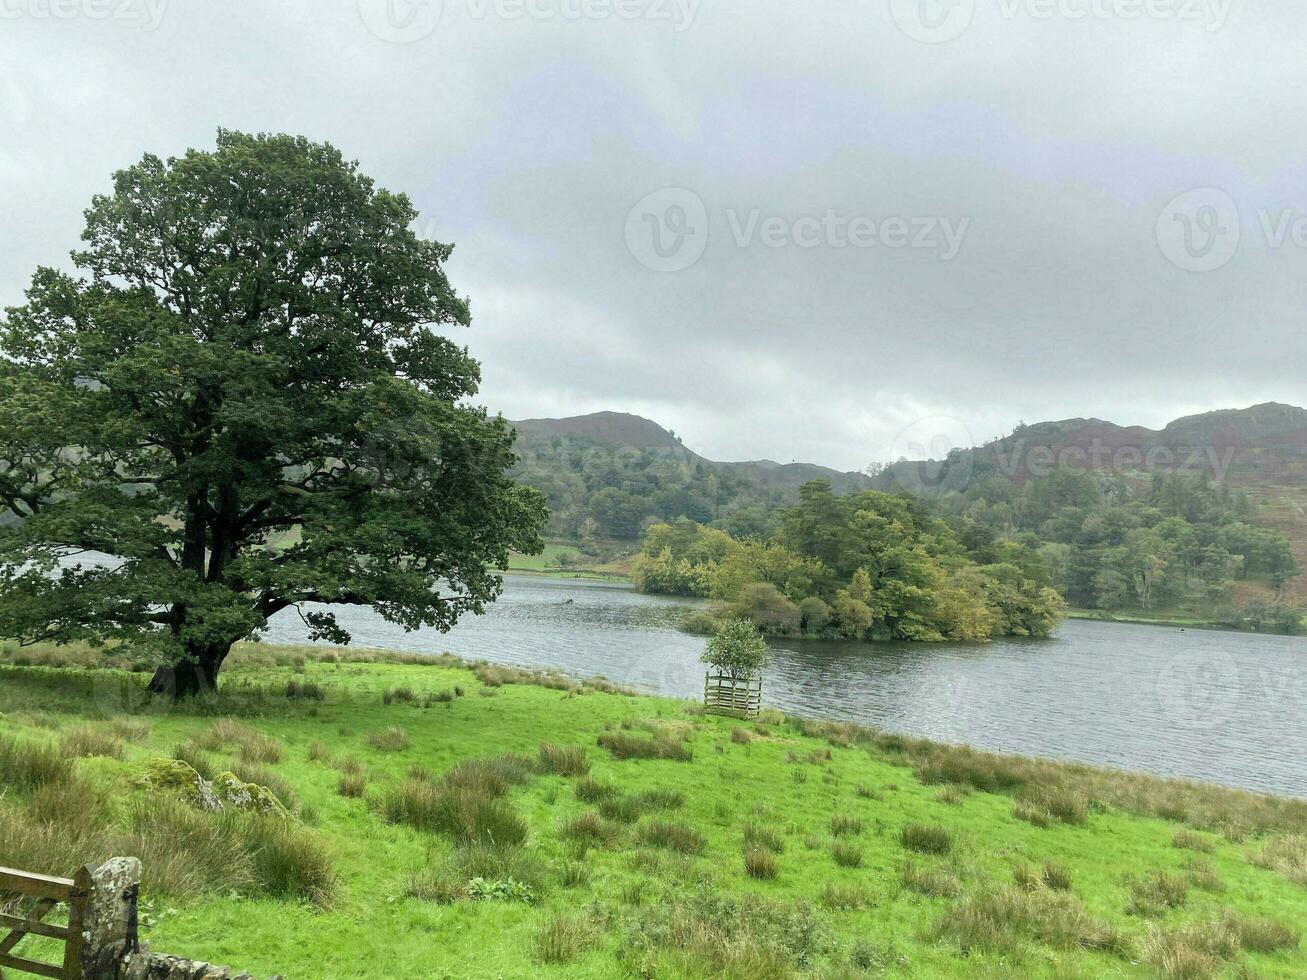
567	561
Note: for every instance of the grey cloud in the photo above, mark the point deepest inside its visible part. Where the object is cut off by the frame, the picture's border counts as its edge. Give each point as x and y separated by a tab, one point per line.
528	140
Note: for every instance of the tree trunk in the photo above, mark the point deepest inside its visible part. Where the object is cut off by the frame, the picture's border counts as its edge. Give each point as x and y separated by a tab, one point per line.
196	675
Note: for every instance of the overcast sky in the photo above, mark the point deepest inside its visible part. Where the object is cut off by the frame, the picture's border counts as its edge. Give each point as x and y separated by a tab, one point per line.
786	230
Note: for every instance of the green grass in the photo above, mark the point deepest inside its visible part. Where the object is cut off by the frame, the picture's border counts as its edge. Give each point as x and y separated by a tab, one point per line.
564	560
476	844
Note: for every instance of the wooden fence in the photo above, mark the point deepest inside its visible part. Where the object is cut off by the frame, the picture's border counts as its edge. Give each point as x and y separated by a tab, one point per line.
737	697
48	893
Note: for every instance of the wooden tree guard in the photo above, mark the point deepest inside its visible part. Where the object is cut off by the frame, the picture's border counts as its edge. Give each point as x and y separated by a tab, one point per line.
736	697
49	892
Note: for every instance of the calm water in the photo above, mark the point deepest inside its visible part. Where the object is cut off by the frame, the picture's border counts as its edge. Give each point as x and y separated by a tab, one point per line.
1221	707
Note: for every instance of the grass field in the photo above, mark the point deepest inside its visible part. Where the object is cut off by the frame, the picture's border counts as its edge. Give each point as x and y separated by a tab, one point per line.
564	560
472	821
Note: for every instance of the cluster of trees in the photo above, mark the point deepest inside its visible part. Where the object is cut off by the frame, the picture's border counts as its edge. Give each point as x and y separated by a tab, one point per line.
1180	540
596	492
867	565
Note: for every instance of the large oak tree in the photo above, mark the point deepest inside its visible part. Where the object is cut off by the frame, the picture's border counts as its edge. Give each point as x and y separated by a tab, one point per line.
244	402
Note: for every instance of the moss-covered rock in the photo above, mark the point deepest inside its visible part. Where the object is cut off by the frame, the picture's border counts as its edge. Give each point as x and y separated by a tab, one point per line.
236	794
179	779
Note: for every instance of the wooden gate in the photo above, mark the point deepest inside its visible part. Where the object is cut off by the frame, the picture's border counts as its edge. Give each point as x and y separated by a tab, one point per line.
737	697
48	893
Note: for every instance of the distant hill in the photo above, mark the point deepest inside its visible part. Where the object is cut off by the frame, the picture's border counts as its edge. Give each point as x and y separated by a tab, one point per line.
622	431
606	474
1261	450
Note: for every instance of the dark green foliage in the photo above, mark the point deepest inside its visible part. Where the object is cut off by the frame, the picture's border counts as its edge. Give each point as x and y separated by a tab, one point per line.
867	565
247	354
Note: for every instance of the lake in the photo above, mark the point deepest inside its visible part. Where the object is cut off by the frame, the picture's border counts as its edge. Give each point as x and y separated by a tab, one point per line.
1221	707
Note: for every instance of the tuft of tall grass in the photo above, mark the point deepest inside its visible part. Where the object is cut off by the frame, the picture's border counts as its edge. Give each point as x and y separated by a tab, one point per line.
1192	952
563	938
929	881
1056	876
1285	854
845	823
302	690
352	785
1262	935
741	736
626	746
1157	892
1205	877
589	827
129	729
846	853
569	760
402	694
436	885
759	862
926	839
391	739
670	836
1188	840
622	809
1002	919
591	790
196	758
290	863
575	874
843	898
250	745
461	807
318	752
27	765
88	740
763	835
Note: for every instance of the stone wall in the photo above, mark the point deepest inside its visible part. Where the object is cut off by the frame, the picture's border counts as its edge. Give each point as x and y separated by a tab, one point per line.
112	950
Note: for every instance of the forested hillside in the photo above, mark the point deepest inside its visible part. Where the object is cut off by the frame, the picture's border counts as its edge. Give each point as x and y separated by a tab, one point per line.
1206	518
609	475
1209	513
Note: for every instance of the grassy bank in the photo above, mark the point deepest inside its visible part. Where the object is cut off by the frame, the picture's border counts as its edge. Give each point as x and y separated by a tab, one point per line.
455	820
563	560
1177	619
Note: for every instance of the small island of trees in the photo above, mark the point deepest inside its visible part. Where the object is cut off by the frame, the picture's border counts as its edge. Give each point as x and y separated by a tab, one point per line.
868	565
